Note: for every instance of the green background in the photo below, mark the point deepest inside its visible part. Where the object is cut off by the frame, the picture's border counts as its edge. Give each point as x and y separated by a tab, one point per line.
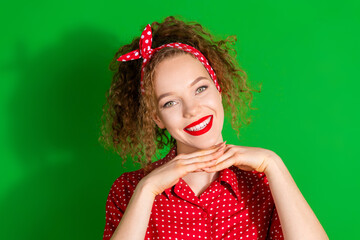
55	176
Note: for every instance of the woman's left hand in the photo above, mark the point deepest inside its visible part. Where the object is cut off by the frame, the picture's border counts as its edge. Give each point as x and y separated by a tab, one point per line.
245	158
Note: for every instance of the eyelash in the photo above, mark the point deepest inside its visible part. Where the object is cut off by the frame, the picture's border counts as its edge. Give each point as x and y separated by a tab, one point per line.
205	86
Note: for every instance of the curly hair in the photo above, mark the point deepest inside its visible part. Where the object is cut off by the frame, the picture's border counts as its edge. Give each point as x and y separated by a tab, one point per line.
127	123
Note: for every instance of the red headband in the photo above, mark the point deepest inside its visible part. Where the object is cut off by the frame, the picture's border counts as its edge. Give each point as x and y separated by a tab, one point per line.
146	52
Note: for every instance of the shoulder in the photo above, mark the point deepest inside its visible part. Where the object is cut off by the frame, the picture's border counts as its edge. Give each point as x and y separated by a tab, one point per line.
252	179
253	187
129	180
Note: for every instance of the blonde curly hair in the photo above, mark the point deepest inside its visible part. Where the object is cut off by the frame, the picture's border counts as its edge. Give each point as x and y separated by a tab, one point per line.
127	124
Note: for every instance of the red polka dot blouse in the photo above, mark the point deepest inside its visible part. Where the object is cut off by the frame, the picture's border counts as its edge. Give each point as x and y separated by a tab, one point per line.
237	205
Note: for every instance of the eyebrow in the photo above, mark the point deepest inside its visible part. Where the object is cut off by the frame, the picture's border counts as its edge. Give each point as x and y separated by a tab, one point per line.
192	84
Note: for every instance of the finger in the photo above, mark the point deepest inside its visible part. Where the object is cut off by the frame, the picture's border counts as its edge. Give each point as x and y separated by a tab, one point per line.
226	154
220	155
195	167
224	164
199	170
203	152
199	166
205	158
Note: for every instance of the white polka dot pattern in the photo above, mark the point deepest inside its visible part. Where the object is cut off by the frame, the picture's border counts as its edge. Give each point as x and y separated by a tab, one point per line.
145	51
237	205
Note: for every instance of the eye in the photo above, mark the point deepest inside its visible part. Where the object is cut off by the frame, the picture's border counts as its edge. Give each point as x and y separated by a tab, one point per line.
202	87
168	104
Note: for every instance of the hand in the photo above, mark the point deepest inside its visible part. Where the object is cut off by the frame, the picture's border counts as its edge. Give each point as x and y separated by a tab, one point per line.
168	174
245	158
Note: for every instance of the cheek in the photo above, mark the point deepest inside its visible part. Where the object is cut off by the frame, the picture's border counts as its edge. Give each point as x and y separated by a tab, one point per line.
171	118
219	109
215	102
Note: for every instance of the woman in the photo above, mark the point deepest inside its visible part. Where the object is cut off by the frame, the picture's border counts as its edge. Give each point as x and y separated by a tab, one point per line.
203	188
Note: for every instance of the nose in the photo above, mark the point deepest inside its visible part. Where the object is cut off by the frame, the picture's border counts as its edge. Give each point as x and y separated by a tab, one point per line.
191	108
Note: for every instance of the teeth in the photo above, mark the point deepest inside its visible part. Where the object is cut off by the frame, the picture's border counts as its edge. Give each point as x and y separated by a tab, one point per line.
200	126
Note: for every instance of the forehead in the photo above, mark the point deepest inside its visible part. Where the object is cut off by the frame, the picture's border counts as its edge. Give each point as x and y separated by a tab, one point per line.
177	72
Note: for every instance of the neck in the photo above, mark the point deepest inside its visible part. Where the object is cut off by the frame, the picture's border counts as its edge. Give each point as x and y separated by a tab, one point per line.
203	177
187	149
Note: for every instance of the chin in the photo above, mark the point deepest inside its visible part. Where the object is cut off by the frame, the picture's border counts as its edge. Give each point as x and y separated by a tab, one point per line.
204	141
206	144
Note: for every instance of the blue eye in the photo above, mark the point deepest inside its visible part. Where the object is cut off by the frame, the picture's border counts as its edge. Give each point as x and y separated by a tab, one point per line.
202	87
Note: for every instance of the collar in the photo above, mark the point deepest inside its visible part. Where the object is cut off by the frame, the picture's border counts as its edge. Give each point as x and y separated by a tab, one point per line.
226	175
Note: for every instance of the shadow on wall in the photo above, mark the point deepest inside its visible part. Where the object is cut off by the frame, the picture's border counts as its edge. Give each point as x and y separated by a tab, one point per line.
55	118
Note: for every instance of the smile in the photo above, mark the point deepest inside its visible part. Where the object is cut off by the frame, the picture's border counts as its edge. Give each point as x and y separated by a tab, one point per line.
200	127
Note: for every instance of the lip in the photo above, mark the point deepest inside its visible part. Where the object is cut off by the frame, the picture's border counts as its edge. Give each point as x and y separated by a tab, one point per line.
202	131
197	122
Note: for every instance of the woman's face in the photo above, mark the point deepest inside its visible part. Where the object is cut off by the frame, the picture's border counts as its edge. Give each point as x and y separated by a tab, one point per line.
186	97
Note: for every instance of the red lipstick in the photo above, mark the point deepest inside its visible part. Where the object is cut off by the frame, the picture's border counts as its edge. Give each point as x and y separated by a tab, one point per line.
202	131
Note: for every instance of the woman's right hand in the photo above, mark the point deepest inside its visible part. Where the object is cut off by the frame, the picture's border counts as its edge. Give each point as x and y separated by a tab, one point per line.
168	174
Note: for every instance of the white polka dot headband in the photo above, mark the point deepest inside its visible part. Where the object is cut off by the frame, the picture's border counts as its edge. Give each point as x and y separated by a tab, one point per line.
145	51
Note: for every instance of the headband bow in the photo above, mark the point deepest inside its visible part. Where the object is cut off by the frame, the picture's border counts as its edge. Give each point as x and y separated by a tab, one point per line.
146	52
